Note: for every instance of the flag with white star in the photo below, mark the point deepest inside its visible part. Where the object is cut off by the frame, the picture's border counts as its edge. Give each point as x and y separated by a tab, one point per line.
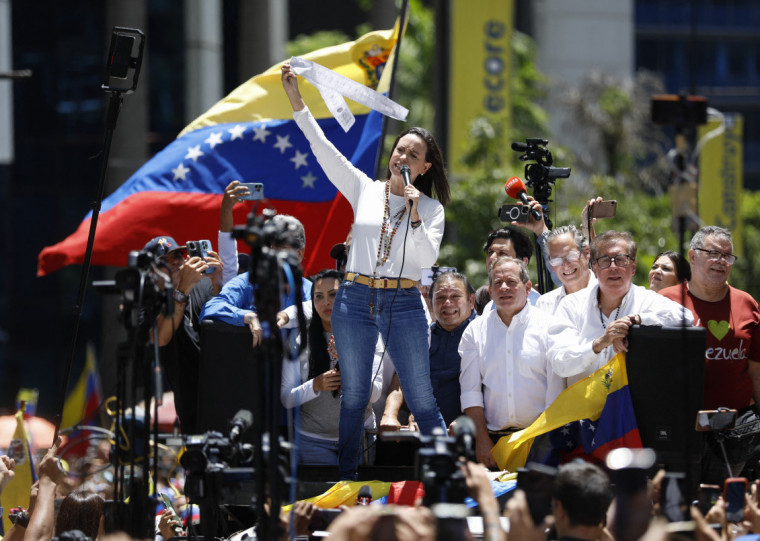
589	419
249	136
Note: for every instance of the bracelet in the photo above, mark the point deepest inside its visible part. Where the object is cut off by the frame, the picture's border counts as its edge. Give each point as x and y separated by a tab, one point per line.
416	224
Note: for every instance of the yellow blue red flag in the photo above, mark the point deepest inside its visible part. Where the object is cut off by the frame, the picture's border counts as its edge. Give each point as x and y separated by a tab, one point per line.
249	136
589	419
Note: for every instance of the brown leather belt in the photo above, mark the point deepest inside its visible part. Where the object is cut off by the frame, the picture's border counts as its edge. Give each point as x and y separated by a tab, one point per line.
380	283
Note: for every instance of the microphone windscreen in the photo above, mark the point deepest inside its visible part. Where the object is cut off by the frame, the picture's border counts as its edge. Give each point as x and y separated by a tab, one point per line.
365	492
514	186
464	425
244	418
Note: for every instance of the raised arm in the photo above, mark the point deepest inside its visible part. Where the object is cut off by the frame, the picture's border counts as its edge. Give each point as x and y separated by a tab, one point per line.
41	524
290	84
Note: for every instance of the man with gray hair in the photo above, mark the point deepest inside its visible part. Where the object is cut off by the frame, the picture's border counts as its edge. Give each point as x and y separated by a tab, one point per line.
732	354
235	304
604	313
567	253
506	375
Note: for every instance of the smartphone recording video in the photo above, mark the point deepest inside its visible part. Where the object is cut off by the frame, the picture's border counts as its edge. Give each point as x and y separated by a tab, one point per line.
255	191
734	492
514	213
720	419
199	248
603	209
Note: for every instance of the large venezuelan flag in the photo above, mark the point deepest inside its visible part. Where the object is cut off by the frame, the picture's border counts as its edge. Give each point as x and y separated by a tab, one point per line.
589	419
249	136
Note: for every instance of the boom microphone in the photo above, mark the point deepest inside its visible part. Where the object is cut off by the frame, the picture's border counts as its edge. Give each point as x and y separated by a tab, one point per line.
515	189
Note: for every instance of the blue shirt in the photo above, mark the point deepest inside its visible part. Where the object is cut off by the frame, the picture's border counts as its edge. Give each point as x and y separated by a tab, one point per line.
236	299
445	364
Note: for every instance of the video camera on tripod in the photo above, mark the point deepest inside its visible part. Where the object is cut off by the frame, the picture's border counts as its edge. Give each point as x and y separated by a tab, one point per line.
541	174
144	285
220	475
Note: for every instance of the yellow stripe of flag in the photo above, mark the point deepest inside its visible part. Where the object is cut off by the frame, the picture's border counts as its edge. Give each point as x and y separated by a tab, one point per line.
583	400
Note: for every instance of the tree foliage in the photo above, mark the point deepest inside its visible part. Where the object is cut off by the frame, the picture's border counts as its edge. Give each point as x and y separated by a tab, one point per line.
623	159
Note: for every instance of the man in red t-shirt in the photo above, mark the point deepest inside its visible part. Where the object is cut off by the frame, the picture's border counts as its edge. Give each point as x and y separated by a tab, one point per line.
731	317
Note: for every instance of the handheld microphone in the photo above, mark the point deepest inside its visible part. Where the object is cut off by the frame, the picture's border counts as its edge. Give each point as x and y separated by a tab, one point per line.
365	496
515	189
240	423
406	173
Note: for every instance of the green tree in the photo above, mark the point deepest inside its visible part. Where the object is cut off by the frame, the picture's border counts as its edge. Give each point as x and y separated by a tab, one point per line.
748	265
476	199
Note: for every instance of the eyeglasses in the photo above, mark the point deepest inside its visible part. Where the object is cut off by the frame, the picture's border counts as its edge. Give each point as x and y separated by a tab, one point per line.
717	256
619	260
573	255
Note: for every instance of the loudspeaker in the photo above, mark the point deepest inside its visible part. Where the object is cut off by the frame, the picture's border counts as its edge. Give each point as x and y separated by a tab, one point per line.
230	377
666	367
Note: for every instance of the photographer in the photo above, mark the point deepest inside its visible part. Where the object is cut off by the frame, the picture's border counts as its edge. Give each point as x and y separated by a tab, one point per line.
179	335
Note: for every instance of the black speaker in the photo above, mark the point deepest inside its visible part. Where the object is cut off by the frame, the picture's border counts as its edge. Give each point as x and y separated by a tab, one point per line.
230	377
666	367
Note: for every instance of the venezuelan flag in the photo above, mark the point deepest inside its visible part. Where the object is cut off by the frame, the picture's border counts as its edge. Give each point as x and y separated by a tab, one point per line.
16	493
82	402
588	419
249	136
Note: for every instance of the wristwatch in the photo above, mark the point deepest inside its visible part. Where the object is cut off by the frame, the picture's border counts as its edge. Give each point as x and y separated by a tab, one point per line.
20	519
180	297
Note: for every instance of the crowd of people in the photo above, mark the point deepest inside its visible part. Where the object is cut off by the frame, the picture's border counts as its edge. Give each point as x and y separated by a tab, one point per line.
385	352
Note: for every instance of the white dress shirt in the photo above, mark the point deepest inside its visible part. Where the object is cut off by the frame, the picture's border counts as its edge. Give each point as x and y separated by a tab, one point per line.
581	311
548	302
508	370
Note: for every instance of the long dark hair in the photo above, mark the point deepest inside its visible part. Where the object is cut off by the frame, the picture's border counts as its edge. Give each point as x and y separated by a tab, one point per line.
436	176
319	359
680	264
80	510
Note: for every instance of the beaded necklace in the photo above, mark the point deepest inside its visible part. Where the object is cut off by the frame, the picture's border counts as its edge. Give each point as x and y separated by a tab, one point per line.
386	233
601	316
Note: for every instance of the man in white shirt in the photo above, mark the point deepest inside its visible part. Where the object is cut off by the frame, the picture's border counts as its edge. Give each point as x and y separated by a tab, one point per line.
512	242
506	377
568	255
603	314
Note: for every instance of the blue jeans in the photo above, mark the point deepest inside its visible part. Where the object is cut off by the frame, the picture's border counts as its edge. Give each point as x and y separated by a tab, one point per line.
315	451
356	331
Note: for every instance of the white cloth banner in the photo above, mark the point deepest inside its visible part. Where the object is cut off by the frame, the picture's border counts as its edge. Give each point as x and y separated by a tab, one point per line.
334	86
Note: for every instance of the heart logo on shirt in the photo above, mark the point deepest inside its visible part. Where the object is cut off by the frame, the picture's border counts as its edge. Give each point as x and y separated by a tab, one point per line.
719	330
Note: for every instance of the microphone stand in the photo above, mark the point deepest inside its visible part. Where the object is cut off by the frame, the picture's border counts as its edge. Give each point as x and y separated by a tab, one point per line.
120	60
